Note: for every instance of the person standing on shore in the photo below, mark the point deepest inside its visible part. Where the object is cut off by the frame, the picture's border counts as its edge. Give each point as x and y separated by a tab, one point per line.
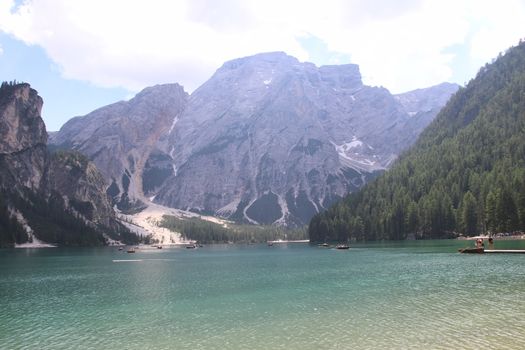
491	243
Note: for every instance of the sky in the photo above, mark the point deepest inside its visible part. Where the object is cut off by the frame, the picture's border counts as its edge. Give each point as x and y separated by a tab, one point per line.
83	54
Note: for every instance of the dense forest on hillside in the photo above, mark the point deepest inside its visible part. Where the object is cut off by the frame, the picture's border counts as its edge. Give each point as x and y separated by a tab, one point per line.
51	221
54	196
466	173
11	231
209	232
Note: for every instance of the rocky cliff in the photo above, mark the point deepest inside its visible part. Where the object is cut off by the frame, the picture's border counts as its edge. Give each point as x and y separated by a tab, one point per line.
267	139
23	137
60	197
81	185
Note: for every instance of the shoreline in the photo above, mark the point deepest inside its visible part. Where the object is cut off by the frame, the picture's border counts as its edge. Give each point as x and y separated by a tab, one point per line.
289	241
38	245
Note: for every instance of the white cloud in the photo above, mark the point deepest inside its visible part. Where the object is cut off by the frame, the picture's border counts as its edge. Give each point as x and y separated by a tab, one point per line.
400	45
504	26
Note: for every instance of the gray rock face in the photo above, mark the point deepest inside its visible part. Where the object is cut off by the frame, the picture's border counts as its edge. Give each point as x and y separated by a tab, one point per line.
422	105
23	137
21	126
267	139
271	140
428	99
119	138
82	186
29	172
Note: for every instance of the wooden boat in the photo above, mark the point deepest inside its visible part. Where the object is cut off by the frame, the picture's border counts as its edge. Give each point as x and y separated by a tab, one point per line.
472	250
342	246
191	246
159	247
131	250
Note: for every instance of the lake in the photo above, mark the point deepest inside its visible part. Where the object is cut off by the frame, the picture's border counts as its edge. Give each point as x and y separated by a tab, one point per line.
401	295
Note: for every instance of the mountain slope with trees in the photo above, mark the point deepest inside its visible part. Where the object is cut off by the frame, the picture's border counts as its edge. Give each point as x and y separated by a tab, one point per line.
55	197
465	174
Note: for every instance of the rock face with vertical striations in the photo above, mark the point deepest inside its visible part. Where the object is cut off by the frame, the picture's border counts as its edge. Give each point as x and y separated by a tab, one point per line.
23	137
267	139
271	140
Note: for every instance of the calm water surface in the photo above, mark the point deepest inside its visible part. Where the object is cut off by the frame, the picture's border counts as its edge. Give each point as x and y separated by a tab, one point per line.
419	295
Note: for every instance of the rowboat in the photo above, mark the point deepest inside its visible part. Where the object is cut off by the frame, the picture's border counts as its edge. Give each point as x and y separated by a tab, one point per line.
471	250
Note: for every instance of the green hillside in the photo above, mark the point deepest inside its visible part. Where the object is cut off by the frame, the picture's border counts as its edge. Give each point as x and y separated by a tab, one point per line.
466	173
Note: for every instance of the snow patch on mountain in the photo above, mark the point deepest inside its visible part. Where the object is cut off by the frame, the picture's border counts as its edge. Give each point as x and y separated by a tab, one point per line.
346	146
357	155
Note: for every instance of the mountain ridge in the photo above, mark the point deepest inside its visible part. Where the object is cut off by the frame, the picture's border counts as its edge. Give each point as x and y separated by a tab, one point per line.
265	132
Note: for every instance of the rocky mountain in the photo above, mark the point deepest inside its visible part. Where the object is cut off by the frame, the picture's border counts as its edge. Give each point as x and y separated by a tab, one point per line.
57	198
267	139
465	174
422	105
120	137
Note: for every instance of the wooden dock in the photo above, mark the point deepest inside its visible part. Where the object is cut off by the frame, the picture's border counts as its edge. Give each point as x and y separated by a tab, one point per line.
280	241
504	251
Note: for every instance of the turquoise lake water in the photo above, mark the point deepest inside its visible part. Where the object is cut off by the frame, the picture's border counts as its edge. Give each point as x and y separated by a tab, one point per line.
410	295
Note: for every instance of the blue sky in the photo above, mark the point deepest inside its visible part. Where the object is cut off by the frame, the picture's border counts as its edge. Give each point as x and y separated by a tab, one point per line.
81	55
63	98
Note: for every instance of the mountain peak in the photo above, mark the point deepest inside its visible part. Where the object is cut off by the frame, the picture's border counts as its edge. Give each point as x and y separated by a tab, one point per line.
161	89
267	58
342	76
